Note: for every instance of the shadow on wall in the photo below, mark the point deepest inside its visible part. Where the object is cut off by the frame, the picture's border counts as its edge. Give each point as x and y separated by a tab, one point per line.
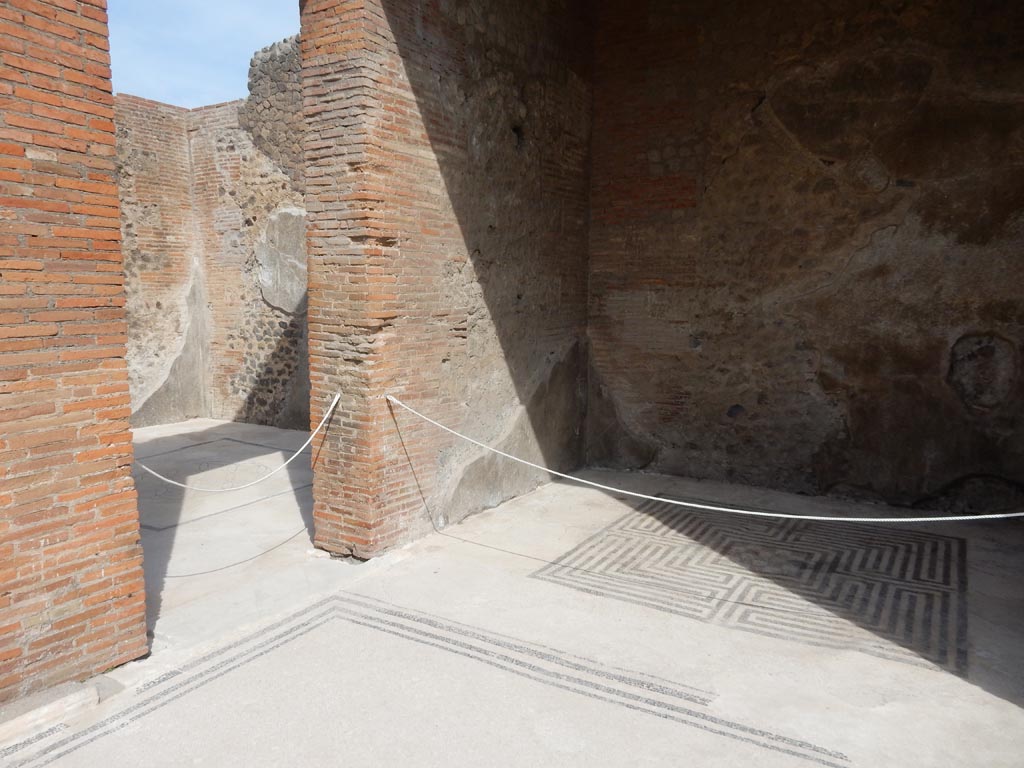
504	94
805	247
491	200
277	384
219	518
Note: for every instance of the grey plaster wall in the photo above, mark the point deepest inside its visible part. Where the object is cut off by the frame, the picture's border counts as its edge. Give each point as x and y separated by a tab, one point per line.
835	304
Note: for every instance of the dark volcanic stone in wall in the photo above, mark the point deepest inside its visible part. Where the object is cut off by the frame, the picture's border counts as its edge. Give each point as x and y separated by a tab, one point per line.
252	223
273	112
806	244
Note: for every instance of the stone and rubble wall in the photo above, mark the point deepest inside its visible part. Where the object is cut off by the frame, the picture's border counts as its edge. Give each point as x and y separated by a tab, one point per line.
72	601
446	186
251	225
214	227
806	228
273	112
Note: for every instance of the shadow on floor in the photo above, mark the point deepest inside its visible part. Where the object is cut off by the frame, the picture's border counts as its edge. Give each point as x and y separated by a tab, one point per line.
229	454
224	458
901	592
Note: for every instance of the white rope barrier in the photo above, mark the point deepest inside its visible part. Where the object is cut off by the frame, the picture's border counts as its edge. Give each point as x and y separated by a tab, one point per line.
327	415
710	507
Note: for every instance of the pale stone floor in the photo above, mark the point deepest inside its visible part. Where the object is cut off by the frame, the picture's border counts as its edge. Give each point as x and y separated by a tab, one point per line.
566	627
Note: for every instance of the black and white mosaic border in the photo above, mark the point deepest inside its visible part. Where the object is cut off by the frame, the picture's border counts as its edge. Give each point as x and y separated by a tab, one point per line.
665	699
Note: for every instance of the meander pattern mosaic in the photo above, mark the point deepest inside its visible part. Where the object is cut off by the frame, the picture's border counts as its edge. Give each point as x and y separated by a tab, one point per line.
894	593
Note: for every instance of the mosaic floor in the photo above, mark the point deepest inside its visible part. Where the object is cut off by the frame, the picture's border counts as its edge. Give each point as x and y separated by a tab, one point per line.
568	627
888	592
663	699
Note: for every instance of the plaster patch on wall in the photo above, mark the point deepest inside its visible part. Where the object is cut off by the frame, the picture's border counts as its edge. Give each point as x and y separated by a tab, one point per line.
181	393
281	253
165	308
545	430
159	329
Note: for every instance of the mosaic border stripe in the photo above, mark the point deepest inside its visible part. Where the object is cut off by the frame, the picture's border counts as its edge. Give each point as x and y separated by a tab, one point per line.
639	692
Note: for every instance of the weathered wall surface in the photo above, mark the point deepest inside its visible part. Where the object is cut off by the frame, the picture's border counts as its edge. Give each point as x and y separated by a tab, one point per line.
252	227
446	185
273	112
214	231
72	602
806	246
167	315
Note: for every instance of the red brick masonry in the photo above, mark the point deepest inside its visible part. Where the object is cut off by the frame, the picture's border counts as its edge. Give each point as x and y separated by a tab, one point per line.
72	602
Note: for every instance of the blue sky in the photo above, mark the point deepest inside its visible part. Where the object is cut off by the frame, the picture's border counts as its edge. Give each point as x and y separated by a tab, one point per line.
192	52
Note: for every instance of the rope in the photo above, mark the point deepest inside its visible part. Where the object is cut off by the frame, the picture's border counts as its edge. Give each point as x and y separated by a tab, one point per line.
710	507
305	445
240	562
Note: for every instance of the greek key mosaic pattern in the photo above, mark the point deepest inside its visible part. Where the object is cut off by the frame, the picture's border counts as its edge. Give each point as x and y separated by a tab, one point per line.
894	593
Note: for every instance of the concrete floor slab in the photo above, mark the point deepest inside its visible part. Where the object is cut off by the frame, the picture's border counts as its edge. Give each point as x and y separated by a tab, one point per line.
218	561
569	627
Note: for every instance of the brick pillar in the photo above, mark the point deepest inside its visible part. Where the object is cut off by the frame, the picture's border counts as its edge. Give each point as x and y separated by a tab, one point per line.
72	601
446	190
349	270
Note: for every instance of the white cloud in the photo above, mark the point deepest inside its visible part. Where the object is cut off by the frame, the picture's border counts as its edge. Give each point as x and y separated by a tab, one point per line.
192	52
